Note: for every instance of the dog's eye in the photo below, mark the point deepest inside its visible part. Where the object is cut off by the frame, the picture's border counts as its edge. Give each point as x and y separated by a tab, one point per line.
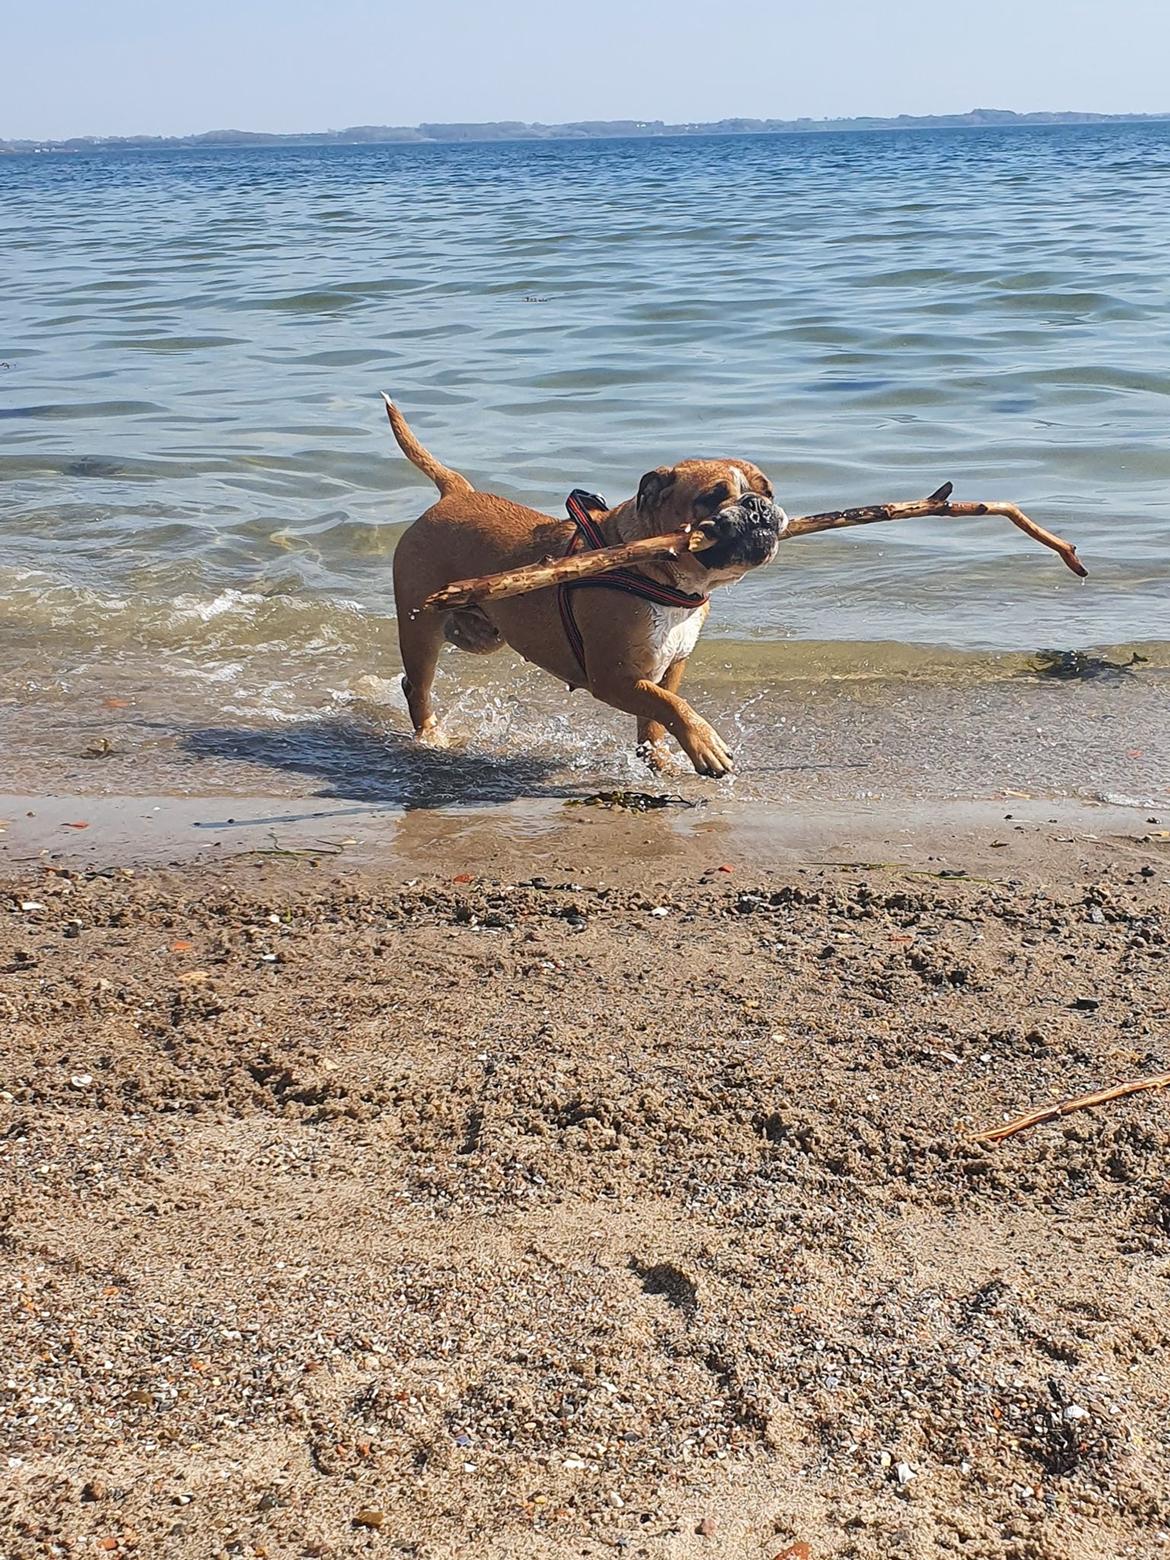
707	503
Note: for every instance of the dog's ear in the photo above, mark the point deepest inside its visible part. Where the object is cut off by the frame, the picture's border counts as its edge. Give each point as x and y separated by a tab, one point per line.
652	488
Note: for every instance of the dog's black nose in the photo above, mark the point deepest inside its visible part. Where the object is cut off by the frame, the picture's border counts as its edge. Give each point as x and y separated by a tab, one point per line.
759	510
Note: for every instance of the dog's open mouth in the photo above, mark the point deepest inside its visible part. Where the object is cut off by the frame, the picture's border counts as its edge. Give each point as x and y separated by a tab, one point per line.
746	534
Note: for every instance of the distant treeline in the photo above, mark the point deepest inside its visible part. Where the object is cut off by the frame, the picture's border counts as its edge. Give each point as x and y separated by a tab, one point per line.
586	129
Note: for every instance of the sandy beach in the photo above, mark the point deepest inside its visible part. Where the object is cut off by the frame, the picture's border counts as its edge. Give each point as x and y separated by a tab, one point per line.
607	1186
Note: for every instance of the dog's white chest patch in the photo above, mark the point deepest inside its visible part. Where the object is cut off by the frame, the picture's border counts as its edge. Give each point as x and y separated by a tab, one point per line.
673	633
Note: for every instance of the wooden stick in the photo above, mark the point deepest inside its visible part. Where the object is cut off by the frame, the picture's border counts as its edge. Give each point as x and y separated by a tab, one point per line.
1034	1118
585	565
937	504
574	566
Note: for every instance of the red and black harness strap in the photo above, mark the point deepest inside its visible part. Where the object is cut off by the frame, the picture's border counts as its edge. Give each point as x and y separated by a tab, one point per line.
588	535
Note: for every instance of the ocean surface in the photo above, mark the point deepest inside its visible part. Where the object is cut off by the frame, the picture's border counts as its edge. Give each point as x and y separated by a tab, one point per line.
199	495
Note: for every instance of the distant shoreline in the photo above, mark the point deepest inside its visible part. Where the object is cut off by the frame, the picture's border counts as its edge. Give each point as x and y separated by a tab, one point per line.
585	130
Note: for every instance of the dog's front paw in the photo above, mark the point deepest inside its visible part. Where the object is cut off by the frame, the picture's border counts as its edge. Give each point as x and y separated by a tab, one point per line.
707	752
657	757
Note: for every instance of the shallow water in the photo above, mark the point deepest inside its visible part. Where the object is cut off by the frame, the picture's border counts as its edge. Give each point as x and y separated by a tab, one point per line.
199	496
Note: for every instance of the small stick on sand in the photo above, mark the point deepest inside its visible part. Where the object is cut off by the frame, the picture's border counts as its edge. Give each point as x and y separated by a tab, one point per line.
1035	1118
585	565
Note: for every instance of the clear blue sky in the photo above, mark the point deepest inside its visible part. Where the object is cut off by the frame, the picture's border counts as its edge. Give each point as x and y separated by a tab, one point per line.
110	67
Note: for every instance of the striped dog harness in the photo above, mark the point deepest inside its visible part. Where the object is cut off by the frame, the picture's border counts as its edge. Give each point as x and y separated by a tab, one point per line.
588	535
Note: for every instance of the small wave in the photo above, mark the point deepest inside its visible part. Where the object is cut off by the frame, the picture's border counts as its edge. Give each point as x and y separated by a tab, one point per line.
305	303
177	343
227	672
192	608
54	411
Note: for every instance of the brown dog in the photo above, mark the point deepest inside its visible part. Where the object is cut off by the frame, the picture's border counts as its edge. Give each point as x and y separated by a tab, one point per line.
633	652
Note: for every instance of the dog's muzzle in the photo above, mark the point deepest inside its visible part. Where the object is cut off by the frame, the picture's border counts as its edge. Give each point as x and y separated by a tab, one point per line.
746	534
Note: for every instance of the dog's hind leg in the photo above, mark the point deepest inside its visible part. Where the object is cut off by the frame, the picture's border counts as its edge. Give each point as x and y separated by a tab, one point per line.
419	570
420	638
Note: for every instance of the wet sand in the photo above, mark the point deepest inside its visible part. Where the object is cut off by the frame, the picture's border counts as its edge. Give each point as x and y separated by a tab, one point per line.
618	833
563	1181
809	725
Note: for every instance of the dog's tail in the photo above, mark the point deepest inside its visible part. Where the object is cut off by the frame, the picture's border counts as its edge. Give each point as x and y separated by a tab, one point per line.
446	480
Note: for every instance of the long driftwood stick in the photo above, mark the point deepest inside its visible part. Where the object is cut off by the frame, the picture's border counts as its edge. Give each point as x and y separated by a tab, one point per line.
1034	1118
583	566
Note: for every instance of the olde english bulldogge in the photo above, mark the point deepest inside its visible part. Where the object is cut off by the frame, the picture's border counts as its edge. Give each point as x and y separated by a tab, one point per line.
625	638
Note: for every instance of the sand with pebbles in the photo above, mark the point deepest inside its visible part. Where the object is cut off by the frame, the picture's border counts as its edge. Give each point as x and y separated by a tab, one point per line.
342	1214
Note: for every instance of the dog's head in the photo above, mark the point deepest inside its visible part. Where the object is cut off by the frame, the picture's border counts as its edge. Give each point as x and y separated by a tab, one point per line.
729	500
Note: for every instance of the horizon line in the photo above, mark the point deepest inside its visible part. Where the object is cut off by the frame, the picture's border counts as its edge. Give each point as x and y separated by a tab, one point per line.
454	132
